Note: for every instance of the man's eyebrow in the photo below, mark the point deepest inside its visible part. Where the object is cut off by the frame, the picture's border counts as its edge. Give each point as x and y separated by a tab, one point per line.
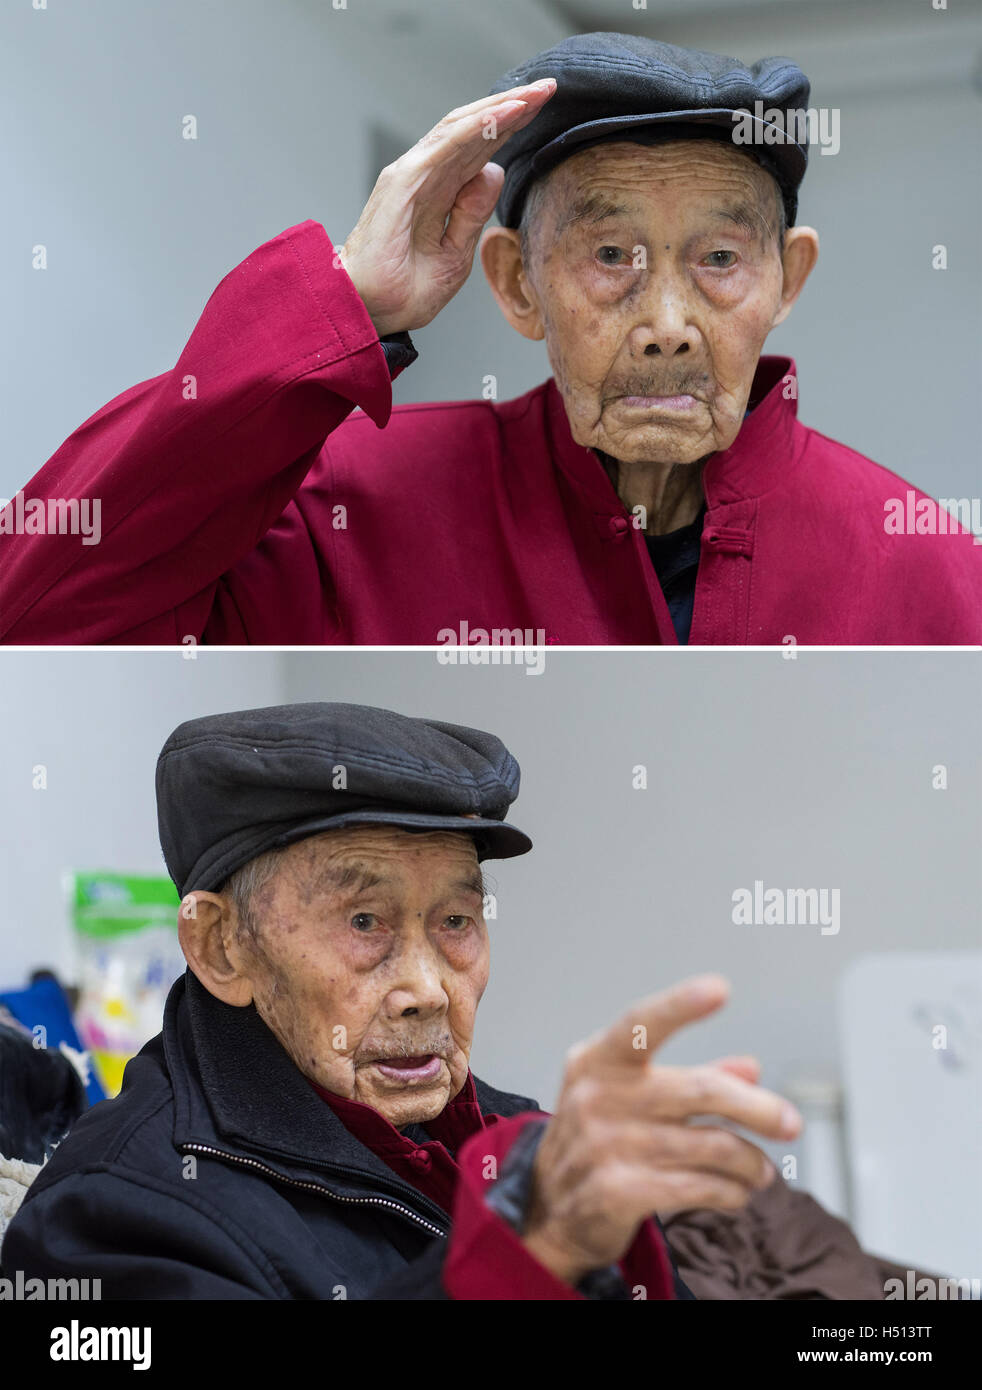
361	878
351	875
474	884
595	207
745	215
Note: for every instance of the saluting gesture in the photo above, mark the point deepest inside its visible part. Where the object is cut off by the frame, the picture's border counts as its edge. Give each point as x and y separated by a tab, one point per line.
414	243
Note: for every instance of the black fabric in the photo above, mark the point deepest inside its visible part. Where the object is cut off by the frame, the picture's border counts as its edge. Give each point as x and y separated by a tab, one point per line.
281	1201
610	84
230	786
675	557
41	1094
400	351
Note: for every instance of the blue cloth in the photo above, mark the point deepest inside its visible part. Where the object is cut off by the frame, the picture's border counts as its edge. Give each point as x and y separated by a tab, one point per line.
43	1003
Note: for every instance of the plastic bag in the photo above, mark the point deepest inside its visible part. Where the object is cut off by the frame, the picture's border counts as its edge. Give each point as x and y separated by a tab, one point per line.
128	954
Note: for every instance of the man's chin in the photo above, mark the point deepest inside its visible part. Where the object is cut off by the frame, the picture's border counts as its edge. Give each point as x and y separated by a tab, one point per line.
655	438
408	1101
414	1109
656	446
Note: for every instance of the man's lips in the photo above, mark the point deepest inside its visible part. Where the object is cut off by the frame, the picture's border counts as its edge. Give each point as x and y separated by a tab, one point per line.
423	1067
683	402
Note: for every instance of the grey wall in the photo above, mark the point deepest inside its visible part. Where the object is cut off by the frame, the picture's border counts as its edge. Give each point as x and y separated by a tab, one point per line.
140	225
807	772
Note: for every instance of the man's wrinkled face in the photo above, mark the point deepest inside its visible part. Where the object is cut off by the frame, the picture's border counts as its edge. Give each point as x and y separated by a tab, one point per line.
657	273
369	959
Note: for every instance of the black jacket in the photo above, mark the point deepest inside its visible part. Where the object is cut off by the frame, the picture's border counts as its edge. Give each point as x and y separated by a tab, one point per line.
41	1096
218	1173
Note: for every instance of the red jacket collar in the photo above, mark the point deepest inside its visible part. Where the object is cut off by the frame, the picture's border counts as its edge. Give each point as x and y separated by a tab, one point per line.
757	460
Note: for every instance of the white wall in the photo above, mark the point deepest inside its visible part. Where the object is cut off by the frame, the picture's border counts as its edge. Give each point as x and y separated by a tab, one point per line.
96	722
141	224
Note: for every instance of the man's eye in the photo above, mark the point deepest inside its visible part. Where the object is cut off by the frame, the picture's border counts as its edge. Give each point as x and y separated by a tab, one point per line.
615	253
363	921
722	264
457	922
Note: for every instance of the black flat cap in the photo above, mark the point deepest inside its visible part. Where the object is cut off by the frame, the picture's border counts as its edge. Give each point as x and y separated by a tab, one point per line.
625	86
231	786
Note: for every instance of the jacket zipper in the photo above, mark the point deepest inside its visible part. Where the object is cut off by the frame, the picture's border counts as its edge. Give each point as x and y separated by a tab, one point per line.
316	1187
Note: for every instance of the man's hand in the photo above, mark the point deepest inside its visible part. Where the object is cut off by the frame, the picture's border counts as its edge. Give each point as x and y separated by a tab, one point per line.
414	243
620	1147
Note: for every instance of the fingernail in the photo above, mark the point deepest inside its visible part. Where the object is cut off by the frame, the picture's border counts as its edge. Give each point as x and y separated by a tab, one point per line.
546	82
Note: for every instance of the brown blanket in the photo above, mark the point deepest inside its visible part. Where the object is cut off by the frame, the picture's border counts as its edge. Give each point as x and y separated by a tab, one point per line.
782	1245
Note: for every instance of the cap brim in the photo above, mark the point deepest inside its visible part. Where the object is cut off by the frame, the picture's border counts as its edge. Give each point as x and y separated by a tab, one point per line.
780	146
494	839
497	839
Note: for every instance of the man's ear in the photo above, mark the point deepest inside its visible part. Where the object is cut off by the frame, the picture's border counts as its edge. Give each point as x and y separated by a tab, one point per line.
501	257
207	925
798	259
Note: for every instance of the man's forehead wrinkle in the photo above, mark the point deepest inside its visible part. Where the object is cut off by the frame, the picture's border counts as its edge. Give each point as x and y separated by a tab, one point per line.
607	180
365	858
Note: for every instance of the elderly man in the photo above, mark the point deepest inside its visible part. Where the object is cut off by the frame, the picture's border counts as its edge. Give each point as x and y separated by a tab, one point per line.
657	489
306	1126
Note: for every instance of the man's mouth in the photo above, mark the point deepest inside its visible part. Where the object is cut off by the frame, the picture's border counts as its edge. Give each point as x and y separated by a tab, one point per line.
683	402
423	1067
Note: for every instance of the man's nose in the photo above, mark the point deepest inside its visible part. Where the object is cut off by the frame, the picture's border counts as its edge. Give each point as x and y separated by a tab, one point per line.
663	327
418	988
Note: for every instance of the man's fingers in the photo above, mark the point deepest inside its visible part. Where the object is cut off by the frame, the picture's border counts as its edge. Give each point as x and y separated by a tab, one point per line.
747	1067
707	1147
475	204
538	93
430	177
466	142
680	1093
694	1190
636	1036
672	1190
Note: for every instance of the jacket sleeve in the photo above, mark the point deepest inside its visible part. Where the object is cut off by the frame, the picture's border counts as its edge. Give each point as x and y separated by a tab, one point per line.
183	474
486	1258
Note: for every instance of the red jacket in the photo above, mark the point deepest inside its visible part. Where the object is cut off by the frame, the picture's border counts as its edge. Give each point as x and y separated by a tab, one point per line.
226	517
